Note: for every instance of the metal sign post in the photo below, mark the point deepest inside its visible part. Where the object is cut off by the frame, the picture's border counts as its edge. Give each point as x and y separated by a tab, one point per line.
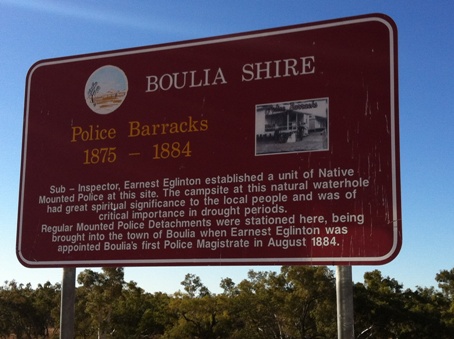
67	307
344	293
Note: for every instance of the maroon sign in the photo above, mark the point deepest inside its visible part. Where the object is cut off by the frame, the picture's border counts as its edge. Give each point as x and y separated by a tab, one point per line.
270	147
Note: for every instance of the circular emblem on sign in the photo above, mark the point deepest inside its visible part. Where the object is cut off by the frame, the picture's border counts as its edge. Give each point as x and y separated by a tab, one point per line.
106	89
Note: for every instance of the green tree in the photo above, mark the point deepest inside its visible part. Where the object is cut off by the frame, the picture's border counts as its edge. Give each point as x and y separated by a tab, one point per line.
15	309
425	309
297	303
379	307
26	312
46	303
384	310
254	306
138	314
445	280
310	301
158	317
101	289
199	313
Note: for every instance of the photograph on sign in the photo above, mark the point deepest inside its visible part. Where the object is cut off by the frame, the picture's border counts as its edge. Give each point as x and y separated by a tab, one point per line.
297	126
277	146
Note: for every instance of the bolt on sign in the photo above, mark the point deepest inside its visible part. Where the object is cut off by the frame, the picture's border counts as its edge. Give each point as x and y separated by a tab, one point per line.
277	146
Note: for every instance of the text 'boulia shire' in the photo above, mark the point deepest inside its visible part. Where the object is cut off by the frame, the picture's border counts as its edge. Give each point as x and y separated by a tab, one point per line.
251	71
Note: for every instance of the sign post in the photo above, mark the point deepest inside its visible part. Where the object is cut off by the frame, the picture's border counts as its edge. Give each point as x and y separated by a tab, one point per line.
68	300
344	296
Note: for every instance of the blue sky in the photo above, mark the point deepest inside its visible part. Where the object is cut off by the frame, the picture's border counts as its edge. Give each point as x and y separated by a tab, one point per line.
35	30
